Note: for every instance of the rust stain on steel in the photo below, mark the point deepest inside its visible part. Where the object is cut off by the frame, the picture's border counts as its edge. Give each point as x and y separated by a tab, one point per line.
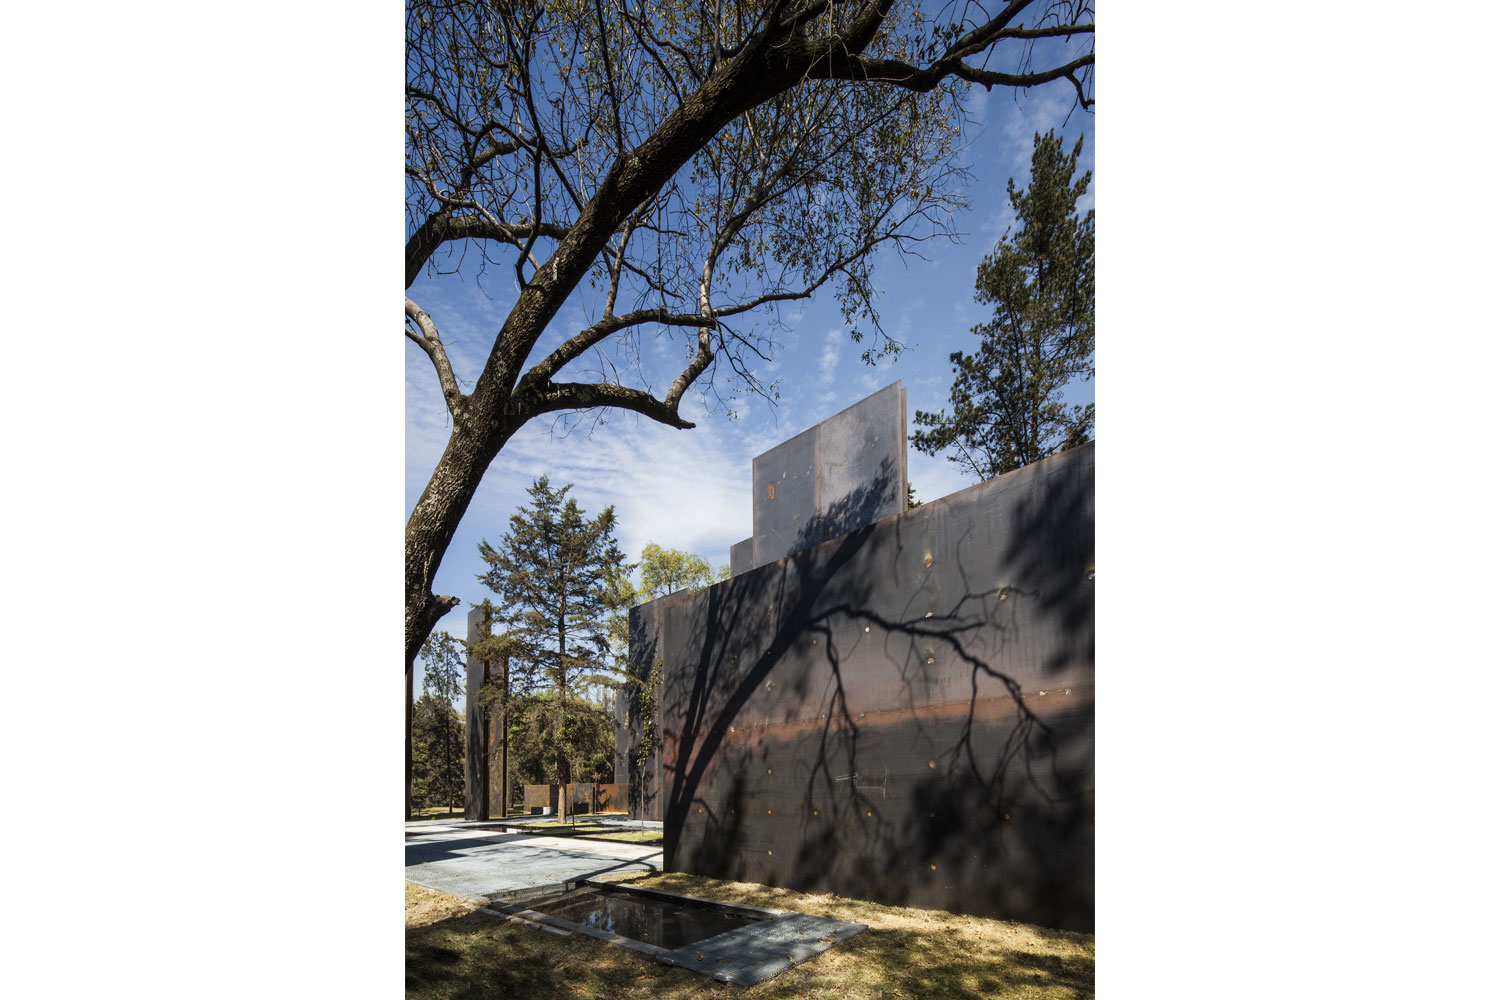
770	491
612	797
539	797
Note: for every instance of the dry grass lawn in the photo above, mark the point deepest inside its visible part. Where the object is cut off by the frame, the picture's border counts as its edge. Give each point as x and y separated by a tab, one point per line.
452	952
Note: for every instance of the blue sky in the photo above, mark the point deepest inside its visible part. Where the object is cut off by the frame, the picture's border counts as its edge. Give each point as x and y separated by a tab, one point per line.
691	489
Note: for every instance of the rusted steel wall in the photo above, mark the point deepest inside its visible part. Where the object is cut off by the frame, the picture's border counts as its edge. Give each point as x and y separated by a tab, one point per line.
498	807
476	731
581	797
484	795
904	713
610	797
538	797
643	778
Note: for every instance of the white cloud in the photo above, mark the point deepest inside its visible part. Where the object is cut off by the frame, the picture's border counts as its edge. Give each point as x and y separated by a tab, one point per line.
828	361
681	489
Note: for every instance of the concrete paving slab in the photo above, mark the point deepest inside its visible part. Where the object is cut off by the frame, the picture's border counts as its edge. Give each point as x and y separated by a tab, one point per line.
464	861
763	950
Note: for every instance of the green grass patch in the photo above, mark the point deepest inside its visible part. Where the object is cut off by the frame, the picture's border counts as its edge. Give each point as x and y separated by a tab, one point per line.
452	952
643	836
438	812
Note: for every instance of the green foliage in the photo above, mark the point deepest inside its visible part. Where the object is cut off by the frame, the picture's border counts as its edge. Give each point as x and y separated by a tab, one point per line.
666	571
1006	397
647	698
443	667
588	739
911	497
437	725
559	575
437	753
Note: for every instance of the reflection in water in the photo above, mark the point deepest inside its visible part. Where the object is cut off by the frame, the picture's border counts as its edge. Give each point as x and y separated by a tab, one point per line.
667	924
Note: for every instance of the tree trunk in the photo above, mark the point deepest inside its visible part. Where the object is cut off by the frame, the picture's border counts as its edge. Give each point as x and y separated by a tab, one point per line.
491	414
430	528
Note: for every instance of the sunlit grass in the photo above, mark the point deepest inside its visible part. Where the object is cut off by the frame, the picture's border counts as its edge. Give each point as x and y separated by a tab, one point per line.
453	952
438	812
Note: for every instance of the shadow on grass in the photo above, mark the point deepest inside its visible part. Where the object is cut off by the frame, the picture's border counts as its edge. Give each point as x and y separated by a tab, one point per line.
476	955
907	953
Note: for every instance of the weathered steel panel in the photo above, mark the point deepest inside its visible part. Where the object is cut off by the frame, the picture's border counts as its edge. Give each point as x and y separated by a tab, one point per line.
903	713
847	472
498	807
643	779
476	732
580	797
535	798
610	797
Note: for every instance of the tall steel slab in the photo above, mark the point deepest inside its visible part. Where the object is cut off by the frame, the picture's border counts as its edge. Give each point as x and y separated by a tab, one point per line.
484	777
845	473
742	556
902	713
476	732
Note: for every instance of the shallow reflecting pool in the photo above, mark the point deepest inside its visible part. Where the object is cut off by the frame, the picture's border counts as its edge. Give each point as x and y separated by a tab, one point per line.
667	924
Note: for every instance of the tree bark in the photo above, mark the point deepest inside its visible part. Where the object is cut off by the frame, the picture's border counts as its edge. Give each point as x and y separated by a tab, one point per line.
430	529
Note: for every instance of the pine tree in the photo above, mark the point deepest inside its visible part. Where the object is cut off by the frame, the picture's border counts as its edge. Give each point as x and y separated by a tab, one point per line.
440	723
437	753
557	573
1006	397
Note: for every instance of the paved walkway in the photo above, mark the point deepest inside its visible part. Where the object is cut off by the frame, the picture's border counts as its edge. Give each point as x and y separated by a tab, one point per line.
472	862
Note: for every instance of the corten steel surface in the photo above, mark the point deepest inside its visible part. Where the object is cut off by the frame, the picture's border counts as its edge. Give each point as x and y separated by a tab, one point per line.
537	797
644	779
498	807
581	797
476	732
902	714
610	797
845	473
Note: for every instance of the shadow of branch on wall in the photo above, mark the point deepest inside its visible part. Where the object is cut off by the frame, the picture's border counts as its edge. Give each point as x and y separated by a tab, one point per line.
870	716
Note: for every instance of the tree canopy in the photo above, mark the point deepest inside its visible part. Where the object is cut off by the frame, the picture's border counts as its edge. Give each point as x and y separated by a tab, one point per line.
1006	396
443	667
665	571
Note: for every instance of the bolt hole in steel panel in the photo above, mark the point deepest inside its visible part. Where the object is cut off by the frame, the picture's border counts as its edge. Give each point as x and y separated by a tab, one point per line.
730	942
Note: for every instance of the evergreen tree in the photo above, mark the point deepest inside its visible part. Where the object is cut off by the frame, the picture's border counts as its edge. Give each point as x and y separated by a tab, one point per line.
437	753
1006	397
558	575
438	721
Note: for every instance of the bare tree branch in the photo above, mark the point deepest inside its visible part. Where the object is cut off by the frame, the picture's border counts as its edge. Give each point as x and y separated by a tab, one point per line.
444	227
426	337
553	397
